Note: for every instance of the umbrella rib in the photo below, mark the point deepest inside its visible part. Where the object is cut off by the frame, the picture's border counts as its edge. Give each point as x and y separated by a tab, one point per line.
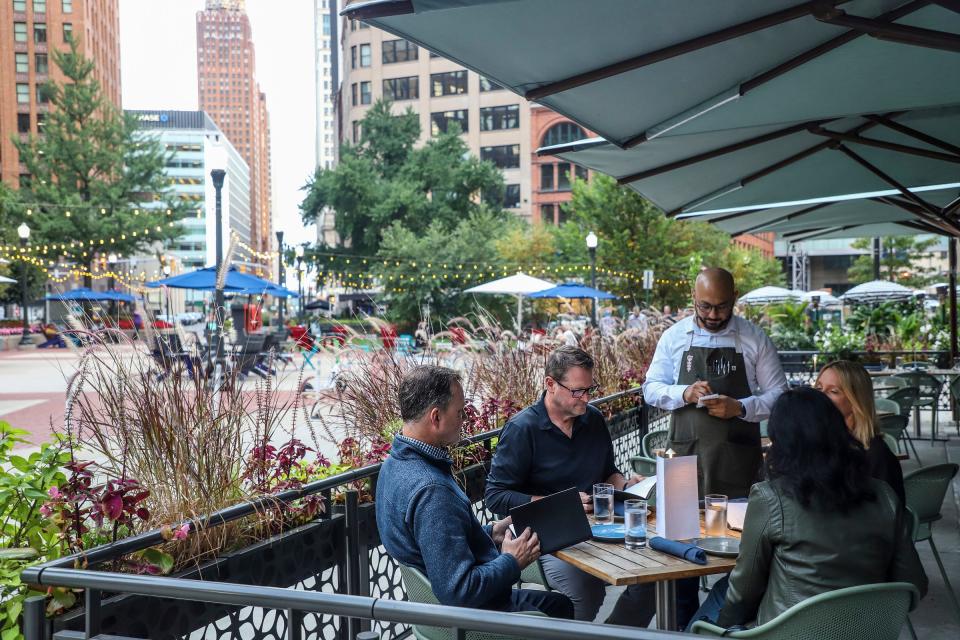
674	50
784	218
913	133
952	5
882	144
899	33
949	209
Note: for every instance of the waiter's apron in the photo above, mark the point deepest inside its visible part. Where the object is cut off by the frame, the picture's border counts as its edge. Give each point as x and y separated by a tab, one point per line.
729	453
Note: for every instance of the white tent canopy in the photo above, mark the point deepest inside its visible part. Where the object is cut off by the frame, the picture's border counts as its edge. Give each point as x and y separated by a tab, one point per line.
6	280
826	299
519	284
877	291
770	295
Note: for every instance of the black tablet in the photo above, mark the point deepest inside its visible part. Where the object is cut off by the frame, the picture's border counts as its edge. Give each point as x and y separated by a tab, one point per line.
558	520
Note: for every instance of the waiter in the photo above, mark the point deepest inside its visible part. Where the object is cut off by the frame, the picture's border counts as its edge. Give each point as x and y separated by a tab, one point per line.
716	352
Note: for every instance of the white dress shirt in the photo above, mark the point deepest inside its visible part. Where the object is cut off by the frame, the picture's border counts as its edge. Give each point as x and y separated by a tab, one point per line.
764	373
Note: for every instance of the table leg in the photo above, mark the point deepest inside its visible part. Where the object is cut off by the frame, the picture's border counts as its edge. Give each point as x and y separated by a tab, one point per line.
667	605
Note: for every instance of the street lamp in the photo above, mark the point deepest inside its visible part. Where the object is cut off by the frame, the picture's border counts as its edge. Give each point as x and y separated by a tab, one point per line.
592	248
111	284
281	277
299	253
24	232
217	161
166	292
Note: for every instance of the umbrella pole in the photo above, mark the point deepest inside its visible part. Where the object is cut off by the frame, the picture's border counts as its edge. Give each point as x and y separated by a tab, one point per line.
519	313
952	254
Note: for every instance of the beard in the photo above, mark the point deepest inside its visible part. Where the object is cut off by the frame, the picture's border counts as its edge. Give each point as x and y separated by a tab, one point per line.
713	325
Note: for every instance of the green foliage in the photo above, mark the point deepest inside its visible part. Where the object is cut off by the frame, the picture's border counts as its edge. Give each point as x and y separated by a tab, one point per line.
839	343
92	161
790	326
26	535
750	268
876	320
900	260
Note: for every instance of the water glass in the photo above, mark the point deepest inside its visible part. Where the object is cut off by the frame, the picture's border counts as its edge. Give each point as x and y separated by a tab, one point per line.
715	515
635	523
603	503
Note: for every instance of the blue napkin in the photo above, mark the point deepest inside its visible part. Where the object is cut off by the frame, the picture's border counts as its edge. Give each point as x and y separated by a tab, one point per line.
679	549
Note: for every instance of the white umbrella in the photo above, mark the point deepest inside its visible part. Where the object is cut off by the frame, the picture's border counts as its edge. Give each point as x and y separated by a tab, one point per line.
6	280
877	291
768	295
519	284
826	299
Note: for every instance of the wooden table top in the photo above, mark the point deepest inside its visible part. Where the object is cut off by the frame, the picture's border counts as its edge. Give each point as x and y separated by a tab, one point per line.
615	564
895	372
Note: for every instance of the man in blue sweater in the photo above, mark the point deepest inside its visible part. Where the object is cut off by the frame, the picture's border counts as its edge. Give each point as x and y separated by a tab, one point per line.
426	520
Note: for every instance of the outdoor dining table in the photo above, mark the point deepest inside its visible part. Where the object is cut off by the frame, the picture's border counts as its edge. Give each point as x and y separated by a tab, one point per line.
616	565
949	374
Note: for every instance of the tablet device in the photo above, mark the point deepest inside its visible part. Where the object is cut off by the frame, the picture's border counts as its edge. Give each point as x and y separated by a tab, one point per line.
558	520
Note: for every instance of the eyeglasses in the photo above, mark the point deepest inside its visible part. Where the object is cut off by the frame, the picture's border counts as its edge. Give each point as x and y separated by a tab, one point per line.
578	393
707	308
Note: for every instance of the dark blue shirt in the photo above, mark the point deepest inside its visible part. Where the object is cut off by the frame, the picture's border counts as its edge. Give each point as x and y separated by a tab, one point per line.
426	521
535	458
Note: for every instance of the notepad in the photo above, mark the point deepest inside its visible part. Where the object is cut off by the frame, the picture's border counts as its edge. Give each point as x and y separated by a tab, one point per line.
736	513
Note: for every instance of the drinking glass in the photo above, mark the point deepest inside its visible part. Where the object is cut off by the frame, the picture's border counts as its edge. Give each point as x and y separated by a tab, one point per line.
715	515
603	503
635	523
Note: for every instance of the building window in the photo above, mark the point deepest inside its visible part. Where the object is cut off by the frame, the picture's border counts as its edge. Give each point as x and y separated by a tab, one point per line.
23	93
580	172
40	63
353	57
67	32
448	84
546	177
511	197
398	51
42	94
22	62
562	133
563	176
503	117
366	93
353	94
486	84
39	6
505	156
67	6
366	58
402	88
326	24
19	6
440	121
546	212
41	120
20	31
357	131
40	34
23	122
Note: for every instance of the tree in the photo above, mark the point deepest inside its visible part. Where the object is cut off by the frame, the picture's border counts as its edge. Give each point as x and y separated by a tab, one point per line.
900	260
750	268
93	176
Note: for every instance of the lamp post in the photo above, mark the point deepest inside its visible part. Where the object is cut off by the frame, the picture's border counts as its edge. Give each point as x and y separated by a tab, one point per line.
166	292
217	160
299	253
281	277
111	283
592	248
815	301
24	232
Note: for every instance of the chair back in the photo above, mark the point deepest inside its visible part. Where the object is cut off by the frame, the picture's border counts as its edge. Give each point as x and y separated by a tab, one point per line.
926	487
955	388
891	381
906	397
891	442
654	440
893	425
866	612
885	405
928	385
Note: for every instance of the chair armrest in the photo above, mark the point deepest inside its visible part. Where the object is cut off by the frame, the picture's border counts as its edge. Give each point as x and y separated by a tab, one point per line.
913	522
643	465
701	628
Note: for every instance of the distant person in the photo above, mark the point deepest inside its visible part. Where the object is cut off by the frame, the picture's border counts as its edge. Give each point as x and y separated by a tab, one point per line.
847	385
818	523
609	324
566	335
426	521
53	338
668	312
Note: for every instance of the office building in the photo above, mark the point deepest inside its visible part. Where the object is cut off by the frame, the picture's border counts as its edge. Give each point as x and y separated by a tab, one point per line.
327	72
30	31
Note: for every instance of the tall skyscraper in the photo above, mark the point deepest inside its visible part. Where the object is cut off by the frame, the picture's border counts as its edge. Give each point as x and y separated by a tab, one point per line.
30	31
327	70
230	95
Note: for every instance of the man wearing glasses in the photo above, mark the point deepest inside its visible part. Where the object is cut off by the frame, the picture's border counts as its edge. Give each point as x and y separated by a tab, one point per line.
558	443
715	353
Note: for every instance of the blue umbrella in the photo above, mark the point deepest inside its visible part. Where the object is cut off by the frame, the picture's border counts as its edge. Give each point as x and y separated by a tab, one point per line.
572	290
84	294
206	280
272	290
119	296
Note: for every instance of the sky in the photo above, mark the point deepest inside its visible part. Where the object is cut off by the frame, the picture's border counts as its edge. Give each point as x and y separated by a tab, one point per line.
158	63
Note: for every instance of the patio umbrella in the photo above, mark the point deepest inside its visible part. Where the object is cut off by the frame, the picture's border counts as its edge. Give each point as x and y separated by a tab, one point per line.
877	291
119	296
826	299
83	294
273	290
572	290
6	280
770	295
205	280
519	284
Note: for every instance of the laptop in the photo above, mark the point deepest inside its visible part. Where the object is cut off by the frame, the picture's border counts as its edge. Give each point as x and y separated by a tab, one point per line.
558	520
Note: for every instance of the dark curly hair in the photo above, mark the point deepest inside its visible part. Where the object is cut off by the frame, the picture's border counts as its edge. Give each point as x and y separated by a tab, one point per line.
812	454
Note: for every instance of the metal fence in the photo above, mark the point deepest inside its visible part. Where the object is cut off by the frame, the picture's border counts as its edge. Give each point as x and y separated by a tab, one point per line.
339	553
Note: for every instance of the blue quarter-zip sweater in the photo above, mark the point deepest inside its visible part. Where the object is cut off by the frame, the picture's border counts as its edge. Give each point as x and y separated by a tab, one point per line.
426	521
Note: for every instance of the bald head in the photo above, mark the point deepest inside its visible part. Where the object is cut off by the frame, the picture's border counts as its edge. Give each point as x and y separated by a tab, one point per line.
714	295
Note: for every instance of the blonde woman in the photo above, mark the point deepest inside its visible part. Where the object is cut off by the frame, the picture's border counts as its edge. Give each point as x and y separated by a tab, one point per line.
847	385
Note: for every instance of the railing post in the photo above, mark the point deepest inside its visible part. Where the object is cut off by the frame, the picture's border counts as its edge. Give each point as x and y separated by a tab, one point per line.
352	513
34	618
92	613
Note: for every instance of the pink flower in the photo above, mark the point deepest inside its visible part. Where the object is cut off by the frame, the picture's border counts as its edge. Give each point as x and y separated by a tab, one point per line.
45	511
182	532
53	492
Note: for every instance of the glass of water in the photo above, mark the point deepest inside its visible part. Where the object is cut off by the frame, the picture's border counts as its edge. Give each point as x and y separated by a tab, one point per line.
715	515
635	523
603	503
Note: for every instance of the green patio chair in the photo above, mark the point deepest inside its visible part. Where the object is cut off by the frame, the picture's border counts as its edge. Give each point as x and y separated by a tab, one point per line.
867	612
885	405
643	465
891	443
419	590
955	397
925	489
654	440
893	381
533	574
896	428
929	396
